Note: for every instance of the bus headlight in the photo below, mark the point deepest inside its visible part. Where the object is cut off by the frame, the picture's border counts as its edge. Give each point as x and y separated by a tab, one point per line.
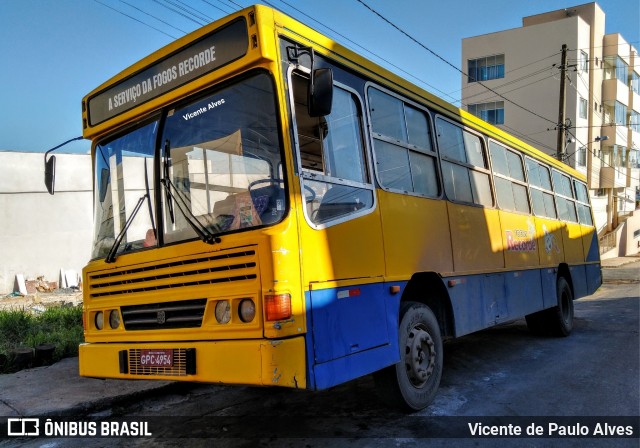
99	320
114	319
247	310
223	311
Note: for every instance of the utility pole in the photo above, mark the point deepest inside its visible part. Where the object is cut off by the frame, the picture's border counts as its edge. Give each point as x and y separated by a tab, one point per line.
562	105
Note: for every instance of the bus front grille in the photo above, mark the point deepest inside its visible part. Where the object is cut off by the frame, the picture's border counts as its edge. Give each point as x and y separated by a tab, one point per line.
233	266
160	316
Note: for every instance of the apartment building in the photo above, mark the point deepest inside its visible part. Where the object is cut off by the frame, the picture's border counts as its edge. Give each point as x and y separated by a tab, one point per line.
600	137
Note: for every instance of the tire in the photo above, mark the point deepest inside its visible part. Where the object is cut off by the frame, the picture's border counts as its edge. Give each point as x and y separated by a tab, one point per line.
556	321
412	383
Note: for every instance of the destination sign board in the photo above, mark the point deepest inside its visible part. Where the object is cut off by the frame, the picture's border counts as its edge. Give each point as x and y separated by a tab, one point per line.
209	53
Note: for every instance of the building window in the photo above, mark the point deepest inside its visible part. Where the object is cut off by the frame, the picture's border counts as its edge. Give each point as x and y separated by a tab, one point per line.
634	159
616	114
615	67
634	121
582	156
620	114
584	106
486	68
635	82
583	62
491	112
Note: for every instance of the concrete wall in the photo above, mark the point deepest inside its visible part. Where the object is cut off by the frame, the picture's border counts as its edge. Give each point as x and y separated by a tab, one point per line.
630	243
41	234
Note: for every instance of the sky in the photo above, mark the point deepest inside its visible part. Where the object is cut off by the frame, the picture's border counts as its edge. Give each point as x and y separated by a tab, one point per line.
56	51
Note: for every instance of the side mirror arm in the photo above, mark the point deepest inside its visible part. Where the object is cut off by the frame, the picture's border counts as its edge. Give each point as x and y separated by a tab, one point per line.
50	166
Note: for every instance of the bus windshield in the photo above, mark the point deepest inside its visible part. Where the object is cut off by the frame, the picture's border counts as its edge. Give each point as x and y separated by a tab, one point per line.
220	164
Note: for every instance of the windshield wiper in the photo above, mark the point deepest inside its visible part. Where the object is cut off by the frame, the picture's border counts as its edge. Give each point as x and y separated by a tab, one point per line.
201	230
111	256
165	161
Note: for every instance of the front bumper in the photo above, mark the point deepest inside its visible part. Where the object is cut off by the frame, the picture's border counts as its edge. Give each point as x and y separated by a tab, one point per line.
259	362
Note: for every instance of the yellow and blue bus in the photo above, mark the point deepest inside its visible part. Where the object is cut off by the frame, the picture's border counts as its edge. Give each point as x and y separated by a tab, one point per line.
274	209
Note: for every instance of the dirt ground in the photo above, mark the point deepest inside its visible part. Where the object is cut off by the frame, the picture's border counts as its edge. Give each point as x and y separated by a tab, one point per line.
39	301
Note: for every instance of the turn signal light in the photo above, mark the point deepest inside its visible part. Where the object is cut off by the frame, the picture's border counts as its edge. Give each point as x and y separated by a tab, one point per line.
277	306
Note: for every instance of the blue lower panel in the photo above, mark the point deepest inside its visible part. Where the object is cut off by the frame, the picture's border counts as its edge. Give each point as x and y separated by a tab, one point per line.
353	332
579	280
481	301
594	277
344	369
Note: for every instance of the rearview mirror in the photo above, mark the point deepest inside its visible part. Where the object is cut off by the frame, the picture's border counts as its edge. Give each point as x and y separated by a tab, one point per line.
50	174
320	95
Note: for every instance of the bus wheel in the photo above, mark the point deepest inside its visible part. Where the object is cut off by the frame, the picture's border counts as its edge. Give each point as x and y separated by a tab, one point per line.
556	321
412	383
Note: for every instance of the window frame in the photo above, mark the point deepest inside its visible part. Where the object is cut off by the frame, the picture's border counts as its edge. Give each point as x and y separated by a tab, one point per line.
467	166
570	199
583	108
583	61
540	188
523	183
477	109
434	153
580	203
304	174
472	73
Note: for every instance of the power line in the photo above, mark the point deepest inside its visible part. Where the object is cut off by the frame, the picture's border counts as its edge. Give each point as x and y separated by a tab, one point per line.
237	4
365	49
152	16
179	12
218	8
449	63
191	10
133	18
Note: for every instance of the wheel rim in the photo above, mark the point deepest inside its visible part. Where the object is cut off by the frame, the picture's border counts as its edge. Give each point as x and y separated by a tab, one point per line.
420	356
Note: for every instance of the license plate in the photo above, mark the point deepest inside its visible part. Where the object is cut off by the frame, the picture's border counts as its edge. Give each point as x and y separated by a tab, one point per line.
156	357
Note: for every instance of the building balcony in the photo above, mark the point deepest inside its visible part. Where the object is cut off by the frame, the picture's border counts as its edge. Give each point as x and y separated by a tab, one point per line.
615	90
611	177
635	98
617	135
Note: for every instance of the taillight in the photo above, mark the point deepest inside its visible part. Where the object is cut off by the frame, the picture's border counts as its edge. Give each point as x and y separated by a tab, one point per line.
277	306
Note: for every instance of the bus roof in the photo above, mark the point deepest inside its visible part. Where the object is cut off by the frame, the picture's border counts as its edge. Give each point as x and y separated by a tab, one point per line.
272	19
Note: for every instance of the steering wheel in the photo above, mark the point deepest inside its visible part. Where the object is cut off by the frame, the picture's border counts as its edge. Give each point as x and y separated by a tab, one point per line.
313	194
265	181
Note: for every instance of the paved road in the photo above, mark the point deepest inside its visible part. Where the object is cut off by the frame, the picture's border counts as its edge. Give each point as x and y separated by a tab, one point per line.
504	372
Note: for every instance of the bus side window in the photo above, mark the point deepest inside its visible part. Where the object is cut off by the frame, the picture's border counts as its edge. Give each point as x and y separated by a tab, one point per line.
464	165
331	151
405	158
584	209
511	190
542	198
564	197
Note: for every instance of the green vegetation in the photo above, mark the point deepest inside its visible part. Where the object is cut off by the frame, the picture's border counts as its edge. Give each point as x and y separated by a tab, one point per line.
60	326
